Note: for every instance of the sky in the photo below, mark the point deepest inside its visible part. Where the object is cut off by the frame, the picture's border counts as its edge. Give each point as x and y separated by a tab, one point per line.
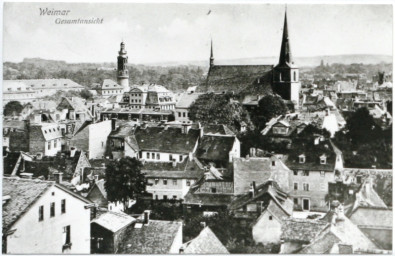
155	33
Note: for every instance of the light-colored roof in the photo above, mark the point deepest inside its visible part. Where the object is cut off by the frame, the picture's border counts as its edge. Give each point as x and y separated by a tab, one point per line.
205	243
114	221
186	100
109	84
41	84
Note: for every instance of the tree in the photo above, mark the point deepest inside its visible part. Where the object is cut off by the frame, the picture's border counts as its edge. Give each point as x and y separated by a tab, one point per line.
124	180
361	127
213	108
13	108
268	107
86	94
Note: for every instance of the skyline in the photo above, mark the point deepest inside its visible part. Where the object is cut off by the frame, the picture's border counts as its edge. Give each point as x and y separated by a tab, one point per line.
182	32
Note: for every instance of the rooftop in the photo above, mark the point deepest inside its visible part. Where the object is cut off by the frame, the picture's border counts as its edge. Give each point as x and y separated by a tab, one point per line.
205	243
114	221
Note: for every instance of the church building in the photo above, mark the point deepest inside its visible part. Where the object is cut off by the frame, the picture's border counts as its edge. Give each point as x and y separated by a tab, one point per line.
282	79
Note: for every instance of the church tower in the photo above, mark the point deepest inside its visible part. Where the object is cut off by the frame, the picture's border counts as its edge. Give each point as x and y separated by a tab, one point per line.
211	55
122	71
286	73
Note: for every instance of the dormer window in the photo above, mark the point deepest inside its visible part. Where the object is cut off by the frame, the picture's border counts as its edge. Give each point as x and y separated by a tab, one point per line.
302	159
323	159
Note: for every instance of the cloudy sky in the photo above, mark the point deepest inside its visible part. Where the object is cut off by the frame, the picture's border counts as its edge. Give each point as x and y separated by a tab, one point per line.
182	32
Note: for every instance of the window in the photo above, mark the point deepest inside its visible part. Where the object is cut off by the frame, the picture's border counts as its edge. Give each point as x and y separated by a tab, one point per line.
54	144
153	155
295	186
147	155
174	182
174	197
213	190
156	181
179	114
188	183
63	206
165	182
183	114
306	186
294	75
157	156
270	217
164	197
180	158
171	157
306	173
66	235
49	145
156	197
323	160
296	173
52	212
322	173
273	163
41	213
296	202
302	159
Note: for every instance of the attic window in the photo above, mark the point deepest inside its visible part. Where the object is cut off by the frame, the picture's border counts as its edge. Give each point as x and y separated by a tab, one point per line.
270	217
323	159
302	159
273	163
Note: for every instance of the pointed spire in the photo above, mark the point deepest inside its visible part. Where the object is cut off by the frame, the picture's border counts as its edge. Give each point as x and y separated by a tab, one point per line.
211	54
285	54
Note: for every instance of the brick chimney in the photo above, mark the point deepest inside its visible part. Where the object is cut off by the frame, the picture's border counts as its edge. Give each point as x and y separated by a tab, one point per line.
58	177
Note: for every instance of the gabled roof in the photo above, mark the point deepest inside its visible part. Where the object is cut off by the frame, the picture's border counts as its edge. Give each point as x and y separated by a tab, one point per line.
301	230
186	100
109	84
234	77
217	129
170	139
215	147
205	243
155	238
100	186
114	221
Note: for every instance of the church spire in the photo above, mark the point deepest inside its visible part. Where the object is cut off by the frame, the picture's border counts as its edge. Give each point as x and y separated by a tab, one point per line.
211	55
285	54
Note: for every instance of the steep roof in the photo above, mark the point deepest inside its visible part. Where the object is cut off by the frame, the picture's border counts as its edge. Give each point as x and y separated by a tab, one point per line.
100	186
186	100
155	238
301	230
285	53
188	169
372	217
215	147
114	221
170	139
109	84
217	129
234	77
205	243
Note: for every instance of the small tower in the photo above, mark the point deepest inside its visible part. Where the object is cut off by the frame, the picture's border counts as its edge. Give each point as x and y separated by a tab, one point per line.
211	55
122	71
286	73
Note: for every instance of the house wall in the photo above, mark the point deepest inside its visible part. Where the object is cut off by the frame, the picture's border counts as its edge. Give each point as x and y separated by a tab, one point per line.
39	237
265	230
81	140
53	150
36	140
102	240
98	133
318	188
163	157
181	114
235	152
177	242
179	190
18	141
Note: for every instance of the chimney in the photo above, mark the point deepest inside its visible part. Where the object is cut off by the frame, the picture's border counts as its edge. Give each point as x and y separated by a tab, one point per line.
181	251
93	111
146	215
185	128
72	151
253	152
58	177
113	122
39	156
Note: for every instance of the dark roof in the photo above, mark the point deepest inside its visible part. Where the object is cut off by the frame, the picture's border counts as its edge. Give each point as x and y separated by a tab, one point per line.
186	169
301	230
124	130
17	124
234	77
208	199
23	193
205	243
215	147
155	238
9	161
170	139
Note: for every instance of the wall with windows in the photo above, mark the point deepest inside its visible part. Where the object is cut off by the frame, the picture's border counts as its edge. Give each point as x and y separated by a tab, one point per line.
168	188
267	229
311	186
182	115
49	234
162	157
